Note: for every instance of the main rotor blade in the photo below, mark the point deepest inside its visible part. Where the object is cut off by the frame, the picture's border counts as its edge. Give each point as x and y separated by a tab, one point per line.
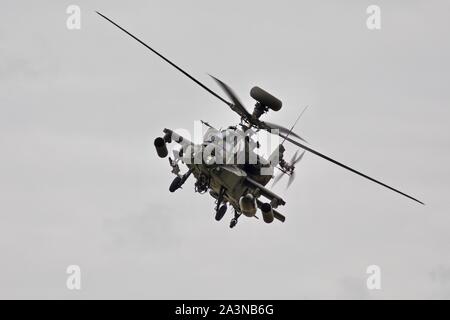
167	60
291	179
347	167
282	129
236	102
277	178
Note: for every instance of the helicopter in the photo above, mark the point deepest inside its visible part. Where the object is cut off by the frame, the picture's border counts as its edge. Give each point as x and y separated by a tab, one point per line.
227	163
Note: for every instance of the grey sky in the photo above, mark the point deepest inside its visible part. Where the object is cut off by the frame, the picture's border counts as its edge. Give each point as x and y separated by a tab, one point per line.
80	182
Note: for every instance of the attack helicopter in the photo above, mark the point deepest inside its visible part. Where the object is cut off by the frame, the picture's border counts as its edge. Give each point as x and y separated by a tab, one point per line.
227	163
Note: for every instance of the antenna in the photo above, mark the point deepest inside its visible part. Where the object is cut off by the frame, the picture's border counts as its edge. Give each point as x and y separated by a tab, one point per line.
292	128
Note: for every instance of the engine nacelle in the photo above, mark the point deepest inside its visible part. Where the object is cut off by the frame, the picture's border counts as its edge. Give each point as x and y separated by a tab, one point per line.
267	212
161	148
265	98
247	204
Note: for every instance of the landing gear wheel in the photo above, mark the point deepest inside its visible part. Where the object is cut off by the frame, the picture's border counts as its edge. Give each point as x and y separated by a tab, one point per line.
233	223
221	212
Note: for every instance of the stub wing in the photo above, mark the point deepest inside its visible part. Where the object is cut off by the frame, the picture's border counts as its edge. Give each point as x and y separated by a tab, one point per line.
273	197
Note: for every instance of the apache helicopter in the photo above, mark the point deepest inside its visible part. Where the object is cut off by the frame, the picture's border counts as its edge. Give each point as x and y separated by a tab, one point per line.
242	181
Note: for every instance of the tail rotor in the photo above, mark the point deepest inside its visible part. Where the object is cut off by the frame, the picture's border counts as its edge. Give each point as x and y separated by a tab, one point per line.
287	168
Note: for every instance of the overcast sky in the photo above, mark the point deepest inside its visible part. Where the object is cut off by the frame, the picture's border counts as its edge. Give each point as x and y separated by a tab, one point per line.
80	182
